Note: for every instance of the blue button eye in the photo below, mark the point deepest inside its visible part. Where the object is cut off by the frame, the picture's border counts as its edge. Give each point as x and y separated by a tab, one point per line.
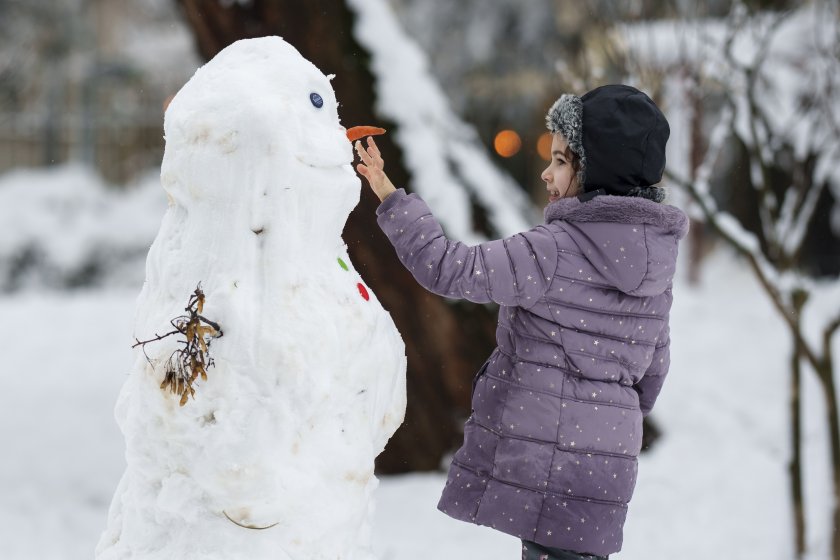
316	100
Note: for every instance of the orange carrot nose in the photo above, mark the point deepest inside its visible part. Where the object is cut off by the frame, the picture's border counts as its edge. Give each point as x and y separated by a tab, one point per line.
356	132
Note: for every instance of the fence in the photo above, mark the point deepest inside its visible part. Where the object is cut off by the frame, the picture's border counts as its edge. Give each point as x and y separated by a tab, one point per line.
121	137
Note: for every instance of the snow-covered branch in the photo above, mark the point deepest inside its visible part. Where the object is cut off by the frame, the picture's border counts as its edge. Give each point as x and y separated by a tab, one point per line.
448	164
793	225
780	75
731	230
727	225
759	137
745	242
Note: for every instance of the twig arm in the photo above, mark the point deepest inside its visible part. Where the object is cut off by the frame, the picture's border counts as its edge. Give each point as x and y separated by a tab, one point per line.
155	339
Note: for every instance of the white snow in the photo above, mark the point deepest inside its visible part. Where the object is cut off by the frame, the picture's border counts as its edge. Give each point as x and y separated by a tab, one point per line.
64	220
715	483
309	377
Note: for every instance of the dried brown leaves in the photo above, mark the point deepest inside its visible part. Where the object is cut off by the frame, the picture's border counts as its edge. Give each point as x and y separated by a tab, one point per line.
187	364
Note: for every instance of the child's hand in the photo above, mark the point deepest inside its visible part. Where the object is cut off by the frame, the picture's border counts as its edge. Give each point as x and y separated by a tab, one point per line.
373	169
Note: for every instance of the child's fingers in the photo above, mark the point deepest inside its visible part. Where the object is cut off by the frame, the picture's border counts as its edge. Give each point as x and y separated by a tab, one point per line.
374	149
363	154
369	157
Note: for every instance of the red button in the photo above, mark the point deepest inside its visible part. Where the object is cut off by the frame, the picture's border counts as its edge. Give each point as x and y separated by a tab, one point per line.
363	291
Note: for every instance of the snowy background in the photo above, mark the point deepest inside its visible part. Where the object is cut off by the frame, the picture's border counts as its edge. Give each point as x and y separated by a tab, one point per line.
72	250
715	481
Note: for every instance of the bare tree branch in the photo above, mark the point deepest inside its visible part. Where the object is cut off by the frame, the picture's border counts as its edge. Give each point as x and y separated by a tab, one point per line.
792	236
828	333
725	224
731	230
759	140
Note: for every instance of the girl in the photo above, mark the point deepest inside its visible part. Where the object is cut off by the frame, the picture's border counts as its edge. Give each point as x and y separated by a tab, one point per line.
550	449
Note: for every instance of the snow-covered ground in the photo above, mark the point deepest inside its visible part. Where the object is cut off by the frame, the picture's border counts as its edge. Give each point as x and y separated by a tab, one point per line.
715	485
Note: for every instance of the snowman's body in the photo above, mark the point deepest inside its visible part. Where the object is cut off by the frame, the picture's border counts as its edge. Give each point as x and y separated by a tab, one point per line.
309	377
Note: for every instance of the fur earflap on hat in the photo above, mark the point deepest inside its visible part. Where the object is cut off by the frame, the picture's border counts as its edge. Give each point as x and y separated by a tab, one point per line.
566	117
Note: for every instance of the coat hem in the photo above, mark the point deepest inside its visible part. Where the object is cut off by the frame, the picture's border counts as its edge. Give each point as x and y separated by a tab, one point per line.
545	531
623	505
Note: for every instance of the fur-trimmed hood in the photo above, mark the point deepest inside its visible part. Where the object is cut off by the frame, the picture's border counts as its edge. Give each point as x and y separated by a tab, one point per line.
630	240
623	209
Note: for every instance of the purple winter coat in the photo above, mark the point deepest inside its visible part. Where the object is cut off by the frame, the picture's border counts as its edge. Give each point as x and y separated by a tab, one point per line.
550	449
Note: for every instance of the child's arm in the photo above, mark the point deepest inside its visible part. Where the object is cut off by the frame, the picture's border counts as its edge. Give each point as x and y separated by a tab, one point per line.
651	383
512	271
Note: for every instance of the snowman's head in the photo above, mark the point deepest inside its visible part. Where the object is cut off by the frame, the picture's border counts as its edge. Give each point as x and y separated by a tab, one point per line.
259	117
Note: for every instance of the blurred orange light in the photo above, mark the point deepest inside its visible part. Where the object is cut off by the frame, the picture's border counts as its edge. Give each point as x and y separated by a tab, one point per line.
507	143
544	146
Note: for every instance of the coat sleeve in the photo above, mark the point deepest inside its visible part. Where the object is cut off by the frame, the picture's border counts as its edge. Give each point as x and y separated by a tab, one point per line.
515	270
649	386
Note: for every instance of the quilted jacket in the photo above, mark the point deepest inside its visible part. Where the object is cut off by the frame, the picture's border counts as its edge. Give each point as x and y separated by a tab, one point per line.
550	448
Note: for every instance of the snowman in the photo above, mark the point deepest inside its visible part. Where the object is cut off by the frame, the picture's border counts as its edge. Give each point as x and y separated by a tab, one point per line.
273	455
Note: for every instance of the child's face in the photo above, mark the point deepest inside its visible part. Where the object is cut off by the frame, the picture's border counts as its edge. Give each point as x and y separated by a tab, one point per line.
560	178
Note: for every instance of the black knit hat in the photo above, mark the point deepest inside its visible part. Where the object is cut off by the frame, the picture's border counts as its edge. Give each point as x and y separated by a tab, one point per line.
619	134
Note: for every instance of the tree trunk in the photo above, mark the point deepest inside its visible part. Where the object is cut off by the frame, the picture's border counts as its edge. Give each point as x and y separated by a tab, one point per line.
445	342
825	375
795	466
697	234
